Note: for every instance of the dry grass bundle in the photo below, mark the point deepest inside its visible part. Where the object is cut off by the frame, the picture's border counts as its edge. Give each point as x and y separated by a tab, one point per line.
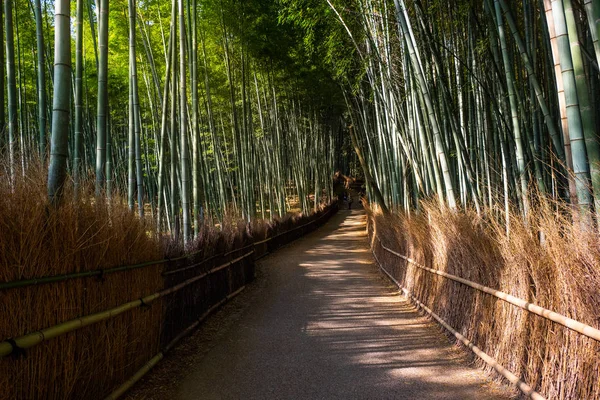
37	241
83	235
561	273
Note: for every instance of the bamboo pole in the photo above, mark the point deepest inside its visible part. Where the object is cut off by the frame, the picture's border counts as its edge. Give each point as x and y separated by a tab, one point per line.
128	384
34	338
122	268
102	111
512	378
57	172
577	326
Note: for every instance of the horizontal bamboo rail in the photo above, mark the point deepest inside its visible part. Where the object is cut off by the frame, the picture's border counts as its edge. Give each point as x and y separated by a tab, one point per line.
158	357
106	271
195	265
87	274
572	324
523	387
29	340
155	360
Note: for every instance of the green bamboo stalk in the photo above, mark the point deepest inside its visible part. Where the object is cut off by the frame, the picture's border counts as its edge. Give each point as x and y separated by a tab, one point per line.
102	111
41	82
513	110
580	162
163	125
184	155
131	181
586	109
78	128
439	144
548	119
135	102
61	102
592	9
196	190
377	193
11	85
173	148
2	71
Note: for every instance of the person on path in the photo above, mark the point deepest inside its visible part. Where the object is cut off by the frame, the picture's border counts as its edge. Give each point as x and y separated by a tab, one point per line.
349	201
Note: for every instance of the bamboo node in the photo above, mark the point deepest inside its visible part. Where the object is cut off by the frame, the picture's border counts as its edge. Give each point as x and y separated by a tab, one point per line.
17	352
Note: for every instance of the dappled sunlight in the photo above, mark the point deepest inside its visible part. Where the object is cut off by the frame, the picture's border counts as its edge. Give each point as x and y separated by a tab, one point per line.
372	327
328	318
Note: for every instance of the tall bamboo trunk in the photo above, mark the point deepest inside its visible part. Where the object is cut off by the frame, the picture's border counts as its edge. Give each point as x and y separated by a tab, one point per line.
135	110
513	111
61	102
592	9
433	119
588	120
2	73
184	153
196	189
78	128
580	162
41	81
102	111
163	125
11	85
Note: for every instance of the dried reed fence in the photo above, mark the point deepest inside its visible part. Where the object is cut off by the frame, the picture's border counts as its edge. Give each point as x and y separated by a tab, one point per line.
101	348
561	274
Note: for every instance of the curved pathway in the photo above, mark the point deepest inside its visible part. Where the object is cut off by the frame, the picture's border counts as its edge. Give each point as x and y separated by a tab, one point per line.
324	324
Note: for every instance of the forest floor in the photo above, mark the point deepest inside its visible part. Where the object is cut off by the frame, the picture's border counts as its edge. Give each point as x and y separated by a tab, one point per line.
319	322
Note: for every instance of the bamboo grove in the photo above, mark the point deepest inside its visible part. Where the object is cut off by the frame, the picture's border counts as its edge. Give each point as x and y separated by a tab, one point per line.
477	103
198	108
192	110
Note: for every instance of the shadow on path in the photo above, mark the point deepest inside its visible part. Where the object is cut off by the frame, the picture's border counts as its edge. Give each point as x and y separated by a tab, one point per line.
325	325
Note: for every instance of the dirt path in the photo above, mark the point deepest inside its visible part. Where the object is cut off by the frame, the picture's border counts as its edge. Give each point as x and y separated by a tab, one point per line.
319	323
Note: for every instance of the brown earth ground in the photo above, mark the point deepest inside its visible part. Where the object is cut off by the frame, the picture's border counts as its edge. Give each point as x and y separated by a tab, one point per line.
319	322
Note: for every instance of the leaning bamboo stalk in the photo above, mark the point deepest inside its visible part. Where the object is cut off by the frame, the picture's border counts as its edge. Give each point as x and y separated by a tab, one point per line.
34	338
572	324
513	102
155	360
550	123
523	387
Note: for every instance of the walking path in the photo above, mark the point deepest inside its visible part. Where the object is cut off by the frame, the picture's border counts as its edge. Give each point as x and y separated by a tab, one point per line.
323	324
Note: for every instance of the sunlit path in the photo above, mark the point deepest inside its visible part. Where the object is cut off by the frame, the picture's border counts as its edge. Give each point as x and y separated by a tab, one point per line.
326	325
